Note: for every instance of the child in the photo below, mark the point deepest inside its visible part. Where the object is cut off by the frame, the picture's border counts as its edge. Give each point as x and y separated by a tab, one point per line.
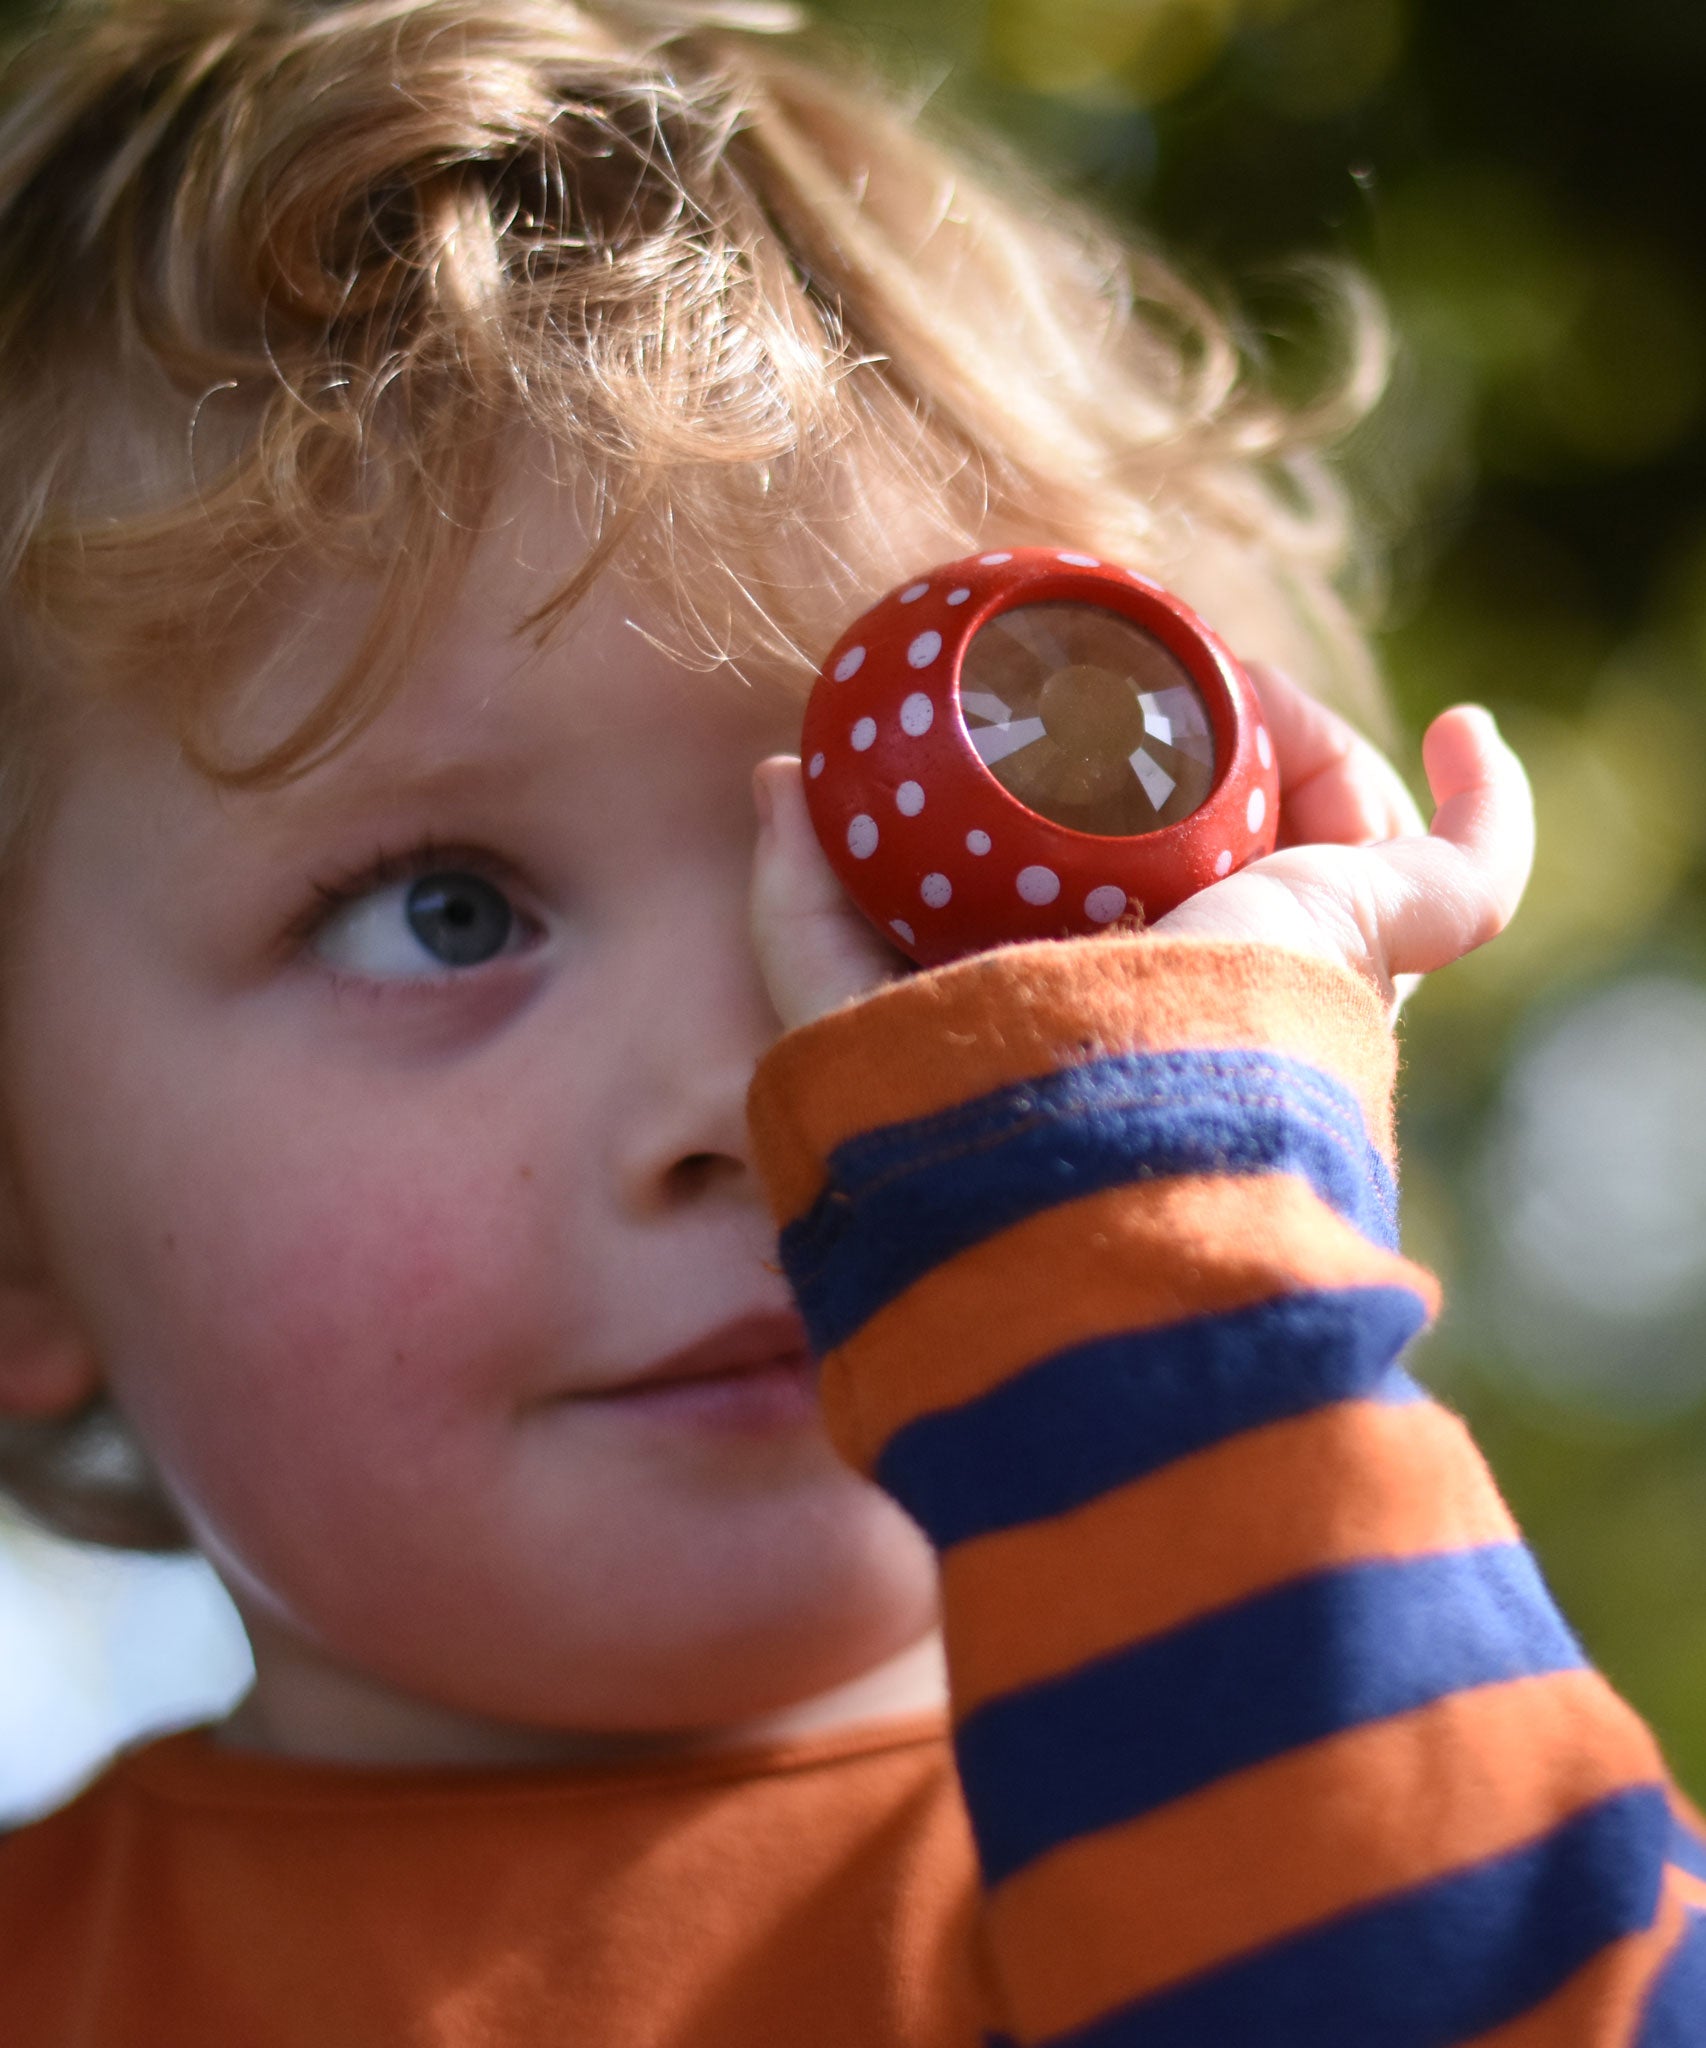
437	434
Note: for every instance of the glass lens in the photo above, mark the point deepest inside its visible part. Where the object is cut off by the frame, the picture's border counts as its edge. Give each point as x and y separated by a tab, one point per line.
1087	719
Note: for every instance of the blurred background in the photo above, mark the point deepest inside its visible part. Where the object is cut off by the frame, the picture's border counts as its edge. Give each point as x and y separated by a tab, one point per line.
1526	183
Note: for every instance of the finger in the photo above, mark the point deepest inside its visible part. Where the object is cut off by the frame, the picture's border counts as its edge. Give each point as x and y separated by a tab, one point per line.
1336	788
1441	896
1484	805
814	949
1406	906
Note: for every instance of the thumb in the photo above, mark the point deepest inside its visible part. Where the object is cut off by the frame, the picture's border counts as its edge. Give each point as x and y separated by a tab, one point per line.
814	949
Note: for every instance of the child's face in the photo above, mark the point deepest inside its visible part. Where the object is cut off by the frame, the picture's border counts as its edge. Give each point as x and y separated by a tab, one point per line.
374	1213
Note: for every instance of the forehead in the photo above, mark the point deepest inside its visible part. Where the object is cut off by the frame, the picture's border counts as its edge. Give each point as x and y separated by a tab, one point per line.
753	621
485	718
479	670
485	706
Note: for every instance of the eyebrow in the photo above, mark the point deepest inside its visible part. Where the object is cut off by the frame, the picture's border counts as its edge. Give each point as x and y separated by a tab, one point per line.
341	792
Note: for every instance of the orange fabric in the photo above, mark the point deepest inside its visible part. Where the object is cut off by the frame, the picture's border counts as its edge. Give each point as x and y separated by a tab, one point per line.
819	1893
1690	1814
1359	1480
1361	1816
1139	1256
940	1038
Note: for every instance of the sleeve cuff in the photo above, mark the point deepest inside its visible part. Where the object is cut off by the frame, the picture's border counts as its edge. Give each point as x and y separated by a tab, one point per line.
924	1046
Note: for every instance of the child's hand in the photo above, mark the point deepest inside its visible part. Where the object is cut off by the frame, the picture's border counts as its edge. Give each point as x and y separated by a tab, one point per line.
1356	879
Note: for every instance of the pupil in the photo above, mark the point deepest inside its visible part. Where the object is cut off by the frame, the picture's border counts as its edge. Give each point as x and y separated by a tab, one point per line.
460	918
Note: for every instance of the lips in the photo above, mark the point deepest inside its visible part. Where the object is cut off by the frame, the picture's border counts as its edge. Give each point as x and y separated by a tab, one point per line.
747	1345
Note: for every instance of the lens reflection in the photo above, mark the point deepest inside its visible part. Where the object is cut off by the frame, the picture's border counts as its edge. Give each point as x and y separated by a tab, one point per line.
1087	719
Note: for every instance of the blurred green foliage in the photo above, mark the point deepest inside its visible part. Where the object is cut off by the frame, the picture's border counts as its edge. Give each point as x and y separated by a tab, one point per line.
1526	183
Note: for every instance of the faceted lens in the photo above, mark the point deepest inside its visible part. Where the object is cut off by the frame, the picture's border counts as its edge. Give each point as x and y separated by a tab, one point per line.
1087	719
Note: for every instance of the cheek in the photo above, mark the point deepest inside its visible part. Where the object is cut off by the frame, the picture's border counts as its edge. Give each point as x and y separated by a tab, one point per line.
317	1316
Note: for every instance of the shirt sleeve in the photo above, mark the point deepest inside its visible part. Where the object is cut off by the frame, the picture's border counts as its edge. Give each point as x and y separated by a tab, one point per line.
1268	1726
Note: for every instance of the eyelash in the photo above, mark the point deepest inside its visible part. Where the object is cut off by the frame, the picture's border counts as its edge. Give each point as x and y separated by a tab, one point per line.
332	893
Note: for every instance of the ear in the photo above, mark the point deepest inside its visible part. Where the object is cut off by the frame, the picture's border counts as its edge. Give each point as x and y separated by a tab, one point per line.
46	1367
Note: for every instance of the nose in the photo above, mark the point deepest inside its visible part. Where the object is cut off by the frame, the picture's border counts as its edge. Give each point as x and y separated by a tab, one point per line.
693	1142
701	1020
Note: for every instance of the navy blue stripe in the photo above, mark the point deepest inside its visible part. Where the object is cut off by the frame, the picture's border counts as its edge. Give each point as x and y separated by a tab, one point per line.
1125	1734
1439	1965
904	1199
1086	1420
1676	2014
1686	1849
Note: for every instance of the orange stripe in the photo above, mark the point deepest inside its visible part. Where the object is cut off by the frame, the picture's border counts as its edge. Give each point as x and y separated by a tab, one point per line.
1689	1814
1128	1258
1358	1480
943	1038
1115	1916
1601	2005
1689	1888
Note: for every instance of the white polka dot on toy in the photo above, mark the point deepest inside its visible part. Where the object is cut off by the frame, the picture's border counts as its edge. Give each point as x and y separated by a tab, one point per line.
816	768
903	931
936	890
909	799
1079	561
917	714
958	596
1264	747
1103	905
1257	810
924	650
978	842
1223	861
994	561
913	593
863	735
1038	885
862	837
849	664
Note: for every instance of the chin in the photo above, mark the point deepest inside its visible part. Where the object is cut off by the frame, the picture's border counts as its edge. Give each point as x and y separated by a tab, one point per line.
696	1664
608	1621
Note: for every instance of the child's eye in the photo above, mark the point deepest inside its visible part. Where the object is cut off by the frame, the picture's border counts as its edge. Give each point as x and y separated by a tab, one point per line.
420	925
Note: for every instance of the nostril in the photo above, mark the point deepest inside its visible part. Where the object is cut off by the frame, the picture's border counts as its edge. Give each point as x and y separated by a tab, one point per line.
698	1172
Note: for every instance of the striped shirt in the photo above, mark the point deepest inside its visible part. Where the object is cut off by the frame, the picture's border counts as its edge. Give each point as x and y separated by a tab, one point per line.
1269	1729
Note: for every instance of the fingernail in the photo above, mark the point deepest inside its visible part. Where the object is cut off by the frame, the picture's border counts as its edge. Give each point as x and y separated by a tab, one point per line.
761	799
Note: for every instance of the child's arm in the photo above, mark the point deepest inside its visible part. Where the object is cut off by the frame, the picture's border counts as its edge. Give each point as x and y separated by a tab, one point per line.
1269	1730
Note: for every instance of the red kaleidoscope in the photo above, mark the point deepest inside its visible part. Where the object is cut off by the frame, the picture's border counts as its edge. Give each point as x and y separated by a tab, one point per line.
926	839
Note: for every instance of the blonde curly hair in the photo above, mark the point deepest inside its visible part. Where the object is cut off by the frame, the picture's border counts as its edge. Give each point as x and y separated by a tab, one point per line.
286	284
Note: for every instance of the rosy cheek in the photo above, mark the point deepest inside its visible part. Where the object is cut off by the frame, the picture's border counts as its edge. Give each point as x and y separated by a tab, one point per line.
363	1342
